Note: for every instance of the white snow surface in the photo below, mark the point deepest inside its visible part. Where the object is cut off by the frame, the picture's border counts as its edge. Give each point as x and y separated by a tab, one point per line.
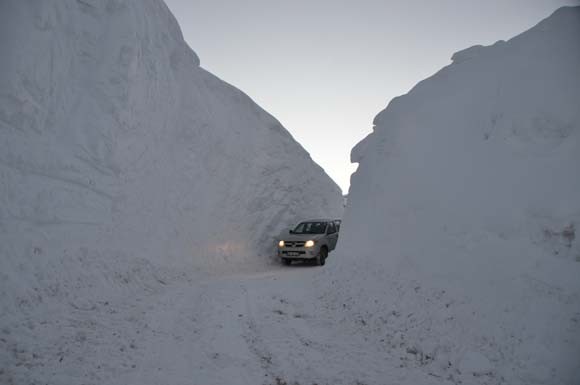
123	166
133	182
461	230
116	147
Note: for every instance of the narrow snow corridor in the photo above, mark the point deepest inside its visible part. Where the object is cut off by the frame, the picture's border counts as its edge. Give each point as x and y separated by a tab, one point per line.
143	201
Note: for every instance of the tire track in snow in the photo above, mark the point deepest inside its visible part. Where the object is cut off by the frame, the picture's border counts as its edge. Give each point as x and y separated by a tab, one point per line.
255	342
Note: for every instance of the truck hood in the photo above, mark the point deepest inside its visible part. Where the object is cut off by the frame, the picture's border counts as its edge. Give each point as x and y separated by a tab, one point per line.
301	237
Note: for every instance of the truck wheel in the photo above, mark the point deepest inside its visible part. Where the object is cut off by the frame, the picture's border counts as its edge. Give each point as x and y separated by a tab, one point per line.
286	261
321	259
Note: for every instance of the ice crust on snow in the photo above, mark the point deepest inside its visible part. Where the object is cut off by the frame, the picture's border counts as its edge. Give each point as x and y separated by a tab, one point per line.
120	156
465	210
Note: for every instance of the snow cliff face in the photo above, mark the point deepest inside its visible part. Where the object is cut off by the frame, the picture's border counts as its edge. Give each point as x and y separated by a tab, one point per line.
119	153
466	209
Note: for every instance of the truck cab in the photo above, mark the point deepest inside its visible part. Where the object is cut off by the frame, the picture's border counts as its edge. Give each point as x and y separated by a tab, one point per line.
309	240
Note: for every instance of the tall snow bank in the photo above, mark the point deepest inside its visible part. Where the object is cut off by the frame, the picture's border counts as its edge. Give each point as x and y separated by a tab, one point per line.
464	214
119	154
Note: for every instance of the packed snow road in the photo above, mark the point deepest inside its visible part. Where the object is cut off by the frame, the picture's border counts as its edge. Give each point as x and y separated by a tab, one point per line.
261	328
286	325
279	326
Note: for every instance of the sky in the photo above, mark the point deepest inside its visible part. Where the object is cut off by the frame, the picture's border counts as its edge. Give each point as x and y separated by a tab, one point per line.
325	68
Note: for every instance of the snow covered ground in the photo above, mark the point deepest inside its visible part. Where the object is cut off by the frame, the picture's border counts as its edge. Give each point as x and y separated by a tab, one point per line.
123	165
139	196
120	157
272	327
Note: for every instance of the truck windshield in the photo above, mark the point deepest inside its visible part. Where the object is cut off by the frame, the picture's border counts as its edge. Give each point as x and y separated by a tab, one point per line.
310	228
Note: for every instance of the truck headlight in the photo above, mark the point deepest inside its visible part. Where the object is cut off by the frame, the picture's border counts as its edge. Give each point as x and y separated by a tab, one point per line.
309	243
281	244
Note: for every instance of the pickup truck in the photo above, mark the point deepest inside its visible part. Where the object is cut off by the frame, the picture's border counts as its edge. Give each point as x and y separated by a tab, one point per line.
309	240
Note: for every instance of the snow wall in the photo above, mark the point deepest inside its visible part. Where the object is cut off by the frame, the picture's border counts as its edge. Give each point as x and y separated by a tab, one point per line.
460	242
120	156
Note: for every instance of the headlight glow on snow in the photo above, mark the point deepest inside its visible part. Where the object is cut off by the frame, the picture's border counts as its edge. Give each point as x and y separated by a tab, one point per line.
281	244
309	243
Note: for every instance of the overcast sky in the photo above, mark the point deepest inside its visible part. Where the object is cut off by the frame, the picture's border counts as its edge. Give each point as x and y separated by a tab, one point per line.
325	68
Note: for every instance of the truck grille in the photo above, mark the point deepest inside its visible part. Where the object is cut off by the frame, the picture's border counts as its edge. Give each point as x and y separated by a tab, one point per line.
294	243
